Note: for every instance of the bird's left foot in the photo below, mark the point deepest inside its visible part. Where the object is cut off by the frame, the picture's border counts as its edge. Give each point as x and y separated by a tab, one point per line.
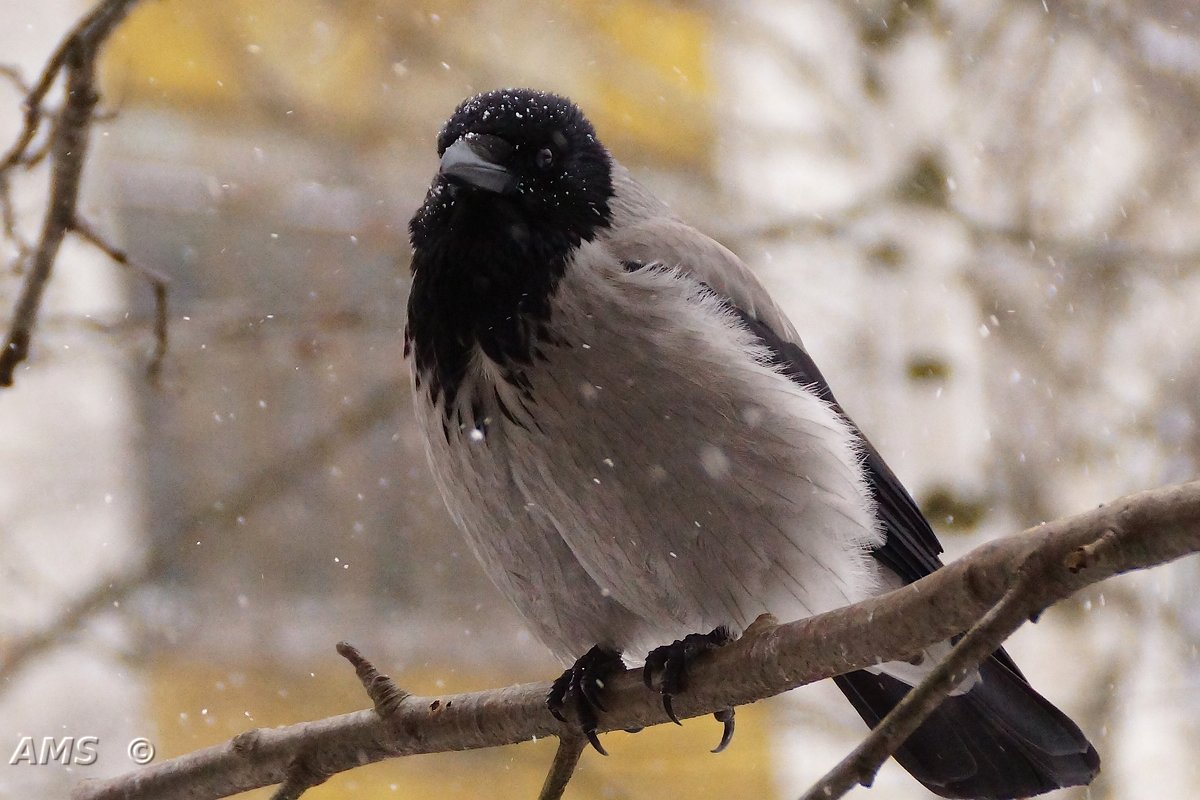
672	660
582	685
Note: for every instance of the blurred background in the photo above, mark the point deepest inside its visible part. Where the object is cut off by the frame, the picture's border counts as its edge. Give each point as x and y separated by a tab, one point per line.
982	217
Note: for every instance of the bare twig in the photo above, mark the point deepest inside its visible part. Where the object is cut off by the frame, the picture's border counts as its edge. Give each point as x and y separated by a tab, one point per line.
1148	529
306	769
100	596
259	488
1021	602
8	222
385	695
158	283
7	218
76	56
33	106
14	76
562	768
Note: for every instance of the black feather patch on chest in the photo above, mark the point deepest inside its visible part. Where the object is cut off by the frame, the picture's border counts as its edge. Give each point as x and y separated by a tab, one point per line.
488	257
485	285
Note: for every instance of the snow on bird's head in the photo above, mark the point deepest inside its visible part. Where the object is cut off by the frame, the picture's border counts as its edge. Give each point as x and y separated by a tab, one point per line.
517	115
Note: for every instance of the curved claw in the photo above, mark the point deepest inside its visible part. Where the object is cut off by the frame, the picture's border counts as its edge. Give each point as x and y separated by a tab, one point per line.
670	711
724	716
672	661
581	686
594	740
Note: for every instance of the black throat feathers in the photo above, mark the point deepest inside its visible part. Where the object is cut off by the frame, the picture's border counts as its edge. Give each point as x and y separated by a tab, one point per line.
483	278
523	182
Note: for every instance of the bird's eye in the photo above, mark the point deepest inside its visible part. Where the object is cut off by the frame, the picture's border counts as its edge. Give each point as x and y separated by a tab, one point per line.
544	158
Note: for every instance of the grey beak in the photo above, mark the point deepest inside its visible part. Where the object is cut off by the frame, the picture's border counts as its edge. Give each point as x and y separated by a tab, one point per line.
478	160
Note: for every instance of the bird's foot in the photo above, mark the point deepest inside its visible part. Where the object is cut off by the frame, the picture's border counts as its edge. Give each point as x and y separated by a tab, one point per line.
582	685
671	662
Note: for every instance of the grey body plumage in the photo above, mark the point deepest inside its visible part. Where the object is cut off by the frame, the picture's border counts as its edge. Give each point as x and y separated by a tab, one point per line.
636	445
694	485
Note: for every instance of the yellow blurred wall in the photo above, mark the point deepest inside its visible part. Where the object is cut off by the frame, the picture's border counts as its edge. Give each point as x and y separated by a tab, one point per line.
638	67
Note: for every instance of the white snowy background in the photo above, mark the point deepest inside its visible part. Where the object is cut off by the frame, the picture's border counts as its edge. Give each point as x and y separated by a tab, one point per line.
981	216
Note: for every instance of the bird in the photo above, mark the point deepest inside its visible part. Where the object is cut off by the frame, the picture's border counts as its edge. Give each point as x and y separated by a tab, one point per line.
645	458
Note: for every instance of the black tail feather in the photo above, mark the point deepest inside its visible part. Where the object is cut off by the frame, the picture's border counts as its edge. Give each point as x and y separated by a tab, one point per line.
1001	740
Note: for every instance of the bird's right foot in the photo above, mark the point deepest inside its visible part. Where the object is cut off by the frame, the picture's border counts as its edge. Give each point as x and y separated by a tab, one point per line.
582	686
671	661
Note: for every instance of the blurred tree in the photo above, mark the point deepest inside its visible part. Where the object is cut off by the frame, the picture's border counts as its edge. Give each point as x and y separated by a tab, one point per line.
980	216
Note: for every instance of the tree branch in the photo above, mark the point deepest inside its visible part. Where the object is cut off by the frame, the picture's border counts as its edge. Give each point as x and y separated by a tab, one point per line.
159	283
1135	532
1034	582
562	769
76	56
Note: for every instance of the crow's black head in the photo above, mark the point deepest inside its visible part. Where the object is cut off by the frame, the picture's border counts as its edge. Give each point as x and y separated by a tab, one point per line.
522	182
527	157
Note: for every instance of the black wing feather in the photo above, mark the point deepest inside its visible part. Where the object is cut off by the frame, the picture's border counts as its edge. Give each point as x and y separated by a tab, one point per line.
1001	739
910	547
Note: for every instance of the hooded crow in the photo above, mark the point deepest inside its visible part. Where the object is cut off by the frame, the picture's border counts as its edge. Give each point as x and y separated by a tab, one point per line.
643	455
